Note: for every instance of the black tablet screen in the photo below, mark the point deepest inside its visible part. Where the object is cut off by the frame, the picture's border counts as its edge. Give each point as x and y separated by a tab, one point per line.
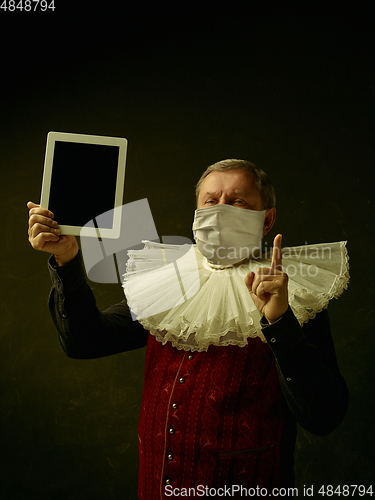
83	182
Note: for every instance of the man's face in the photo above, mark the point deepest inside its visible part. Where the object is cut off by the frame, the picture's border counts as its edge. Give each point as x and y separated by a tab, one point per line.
235	187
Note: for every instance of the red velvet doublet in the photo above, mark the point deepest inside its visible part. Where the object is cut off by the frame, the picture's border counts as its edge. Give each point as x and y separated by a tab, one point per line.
210	418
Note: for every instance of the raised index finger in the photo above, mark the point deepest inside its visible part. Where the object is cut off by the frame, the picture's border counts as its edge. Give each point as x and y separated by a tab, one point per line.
276	263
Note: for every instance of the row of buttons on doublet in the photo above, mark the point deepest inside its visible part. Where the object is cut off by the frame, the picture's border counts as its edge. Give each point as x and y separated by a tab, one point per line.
171	429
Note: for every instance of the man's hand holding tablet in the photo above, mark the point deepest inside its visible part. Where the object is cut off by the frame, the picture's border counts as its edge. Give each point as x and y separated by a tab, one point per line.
45	235
89	171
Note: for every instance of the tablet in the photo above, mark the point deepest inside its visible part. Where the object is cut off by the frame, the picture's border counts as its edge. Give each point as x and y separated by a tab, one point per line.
83	179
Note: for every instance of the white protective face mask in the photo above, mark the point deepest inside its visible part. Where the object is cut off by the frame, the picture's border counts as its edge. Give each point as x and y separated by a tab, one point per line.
226	235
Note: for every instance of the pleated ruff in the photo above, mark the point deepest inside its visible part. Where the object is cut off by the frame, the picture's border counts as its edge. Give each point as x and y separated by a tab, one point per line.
179	297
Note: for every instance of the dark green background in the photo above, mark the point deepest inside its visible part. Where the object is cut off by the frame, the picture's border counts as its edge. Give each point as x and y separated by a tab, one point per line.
290	88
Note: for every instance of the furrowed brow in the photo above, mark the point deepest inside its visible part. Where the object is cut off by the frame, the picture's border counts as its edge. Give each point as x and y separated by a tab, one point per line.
212	193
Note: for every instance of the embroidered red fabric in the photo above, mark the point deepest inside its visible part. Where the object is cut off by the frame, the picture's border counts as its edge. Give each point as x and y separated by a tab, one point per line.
210	418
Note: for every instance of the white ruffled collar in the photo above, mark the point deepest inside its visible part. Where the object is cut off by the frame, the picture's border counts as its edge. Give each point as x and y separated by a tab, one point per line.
179	297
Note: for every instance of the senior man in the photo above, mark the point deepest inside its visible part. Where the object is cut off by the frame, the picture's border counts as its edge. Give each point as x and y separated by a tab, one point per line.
225	415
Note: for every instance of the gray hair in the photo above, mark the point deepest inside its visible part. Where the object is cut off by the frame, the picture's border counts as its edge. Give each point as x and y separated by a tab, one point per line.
263	182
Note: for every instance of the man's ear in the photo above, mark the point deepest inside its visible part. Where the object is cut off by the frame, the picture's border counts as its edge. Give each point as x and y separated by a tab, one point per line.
269	220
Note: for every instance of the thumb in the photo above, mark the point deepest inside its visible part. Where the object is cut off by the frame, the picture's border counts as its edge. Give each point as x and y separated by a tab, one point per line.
31	204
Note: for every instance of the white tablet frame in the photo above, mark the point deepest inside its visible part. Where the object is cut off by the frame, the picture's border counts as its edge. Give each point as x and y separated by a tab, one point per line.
86	230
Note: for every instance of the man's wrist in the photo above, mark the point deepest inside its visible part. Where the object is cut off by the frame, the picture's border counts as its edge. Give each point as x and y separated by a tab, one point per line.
272	322
283	335
63	259
69	276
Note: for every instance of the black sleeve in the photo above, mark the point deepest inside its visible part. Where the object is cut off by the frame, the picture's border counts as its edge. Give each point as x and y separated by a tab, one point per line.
309	375
84	331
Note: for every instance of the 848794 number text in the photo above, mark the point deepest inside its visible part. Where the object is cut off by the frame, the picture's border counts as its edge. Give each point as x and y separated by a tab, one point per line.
27	5
345	491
